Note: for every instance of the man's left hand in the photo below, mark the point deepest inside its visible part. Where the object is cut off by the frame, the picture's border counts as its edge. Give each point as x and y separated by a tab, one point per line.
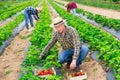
37	19
73	64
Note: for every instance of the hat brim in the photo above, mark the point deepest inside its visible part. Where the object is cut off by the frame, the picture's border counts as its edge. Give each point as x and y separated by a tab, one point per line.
52	25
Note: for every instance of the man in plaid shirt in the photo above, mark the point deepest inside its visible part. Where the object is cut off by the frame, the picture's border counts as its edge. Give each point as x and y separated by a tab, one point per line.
28	12
73	53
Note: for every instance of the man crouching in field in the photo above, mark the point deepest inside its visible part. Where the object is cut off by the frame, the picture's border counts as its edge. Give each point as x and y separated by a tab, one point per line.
72	52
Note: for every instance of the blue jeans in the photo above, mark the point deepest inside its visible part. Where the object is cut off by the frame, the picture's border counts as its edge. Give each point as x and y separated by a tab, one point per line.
27	18
66	55
74	11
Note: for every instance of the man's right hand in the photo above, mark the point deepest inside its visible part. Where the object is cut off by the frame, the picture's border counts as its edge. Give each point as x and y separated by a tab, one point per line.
40	57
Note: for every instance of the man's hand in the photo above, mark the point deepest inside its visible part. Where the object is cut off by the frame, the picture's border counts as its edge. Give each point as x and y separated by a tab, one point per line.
40	56
37	20
73	64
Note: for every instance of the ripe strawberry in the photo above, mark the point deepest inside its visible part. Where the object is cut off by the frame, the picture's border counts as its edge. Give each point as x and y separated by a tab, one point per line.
41	73
50	71
81	74
46	72
75	74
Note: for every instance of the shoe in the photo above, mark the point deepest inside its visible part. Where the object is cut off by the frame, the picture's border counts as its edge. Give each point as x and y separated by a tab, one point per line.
29	30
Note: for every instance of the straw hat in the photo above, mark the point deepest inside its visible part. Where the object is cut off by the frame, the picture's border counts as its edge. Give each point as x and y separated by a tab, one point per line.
57	21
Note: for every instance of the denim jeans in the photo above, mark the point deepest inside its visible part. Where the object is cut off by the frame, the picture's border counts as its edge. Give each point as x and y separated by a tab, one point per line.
27	18
74	11
66	55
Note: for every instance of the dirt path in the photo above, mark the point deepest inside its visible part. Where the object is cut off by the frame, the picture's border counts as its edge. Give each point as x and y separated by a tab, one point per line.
13	56
94	10
92	68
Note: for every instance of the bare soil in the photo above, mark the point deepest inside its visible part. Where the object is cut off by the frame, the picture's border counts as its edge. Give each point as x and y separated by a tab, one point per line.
13	56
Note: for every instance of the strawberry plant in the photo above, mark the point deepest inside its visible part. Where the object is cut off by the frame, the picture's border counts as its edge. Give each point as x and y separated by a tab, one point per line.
110	22
6	31
12	10
40	37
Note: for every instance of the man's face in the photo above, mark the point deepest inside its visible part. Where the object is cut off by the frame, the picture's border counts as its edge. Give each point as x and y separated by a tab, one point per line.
60	28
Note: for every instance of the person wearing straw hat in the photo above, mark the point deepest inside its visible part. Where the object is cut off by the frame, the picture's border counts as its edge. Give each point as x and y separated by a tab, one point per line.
71	6
72	52
28	12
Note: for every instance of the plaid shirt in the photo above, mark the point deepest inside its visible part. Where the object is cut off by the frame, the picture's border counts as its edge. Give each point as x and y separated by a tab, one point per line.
69	40
32	11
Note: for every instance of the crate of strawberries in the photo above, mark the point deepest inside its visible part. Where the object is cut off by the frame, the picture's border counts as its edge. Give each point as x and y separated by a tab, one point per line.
77	75
44	72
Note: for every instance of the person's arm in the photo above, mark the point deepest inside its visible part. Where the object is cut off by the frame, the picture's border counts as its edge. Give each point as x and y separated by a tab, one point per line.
76	40
36	16
49	45
76	48
68	9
